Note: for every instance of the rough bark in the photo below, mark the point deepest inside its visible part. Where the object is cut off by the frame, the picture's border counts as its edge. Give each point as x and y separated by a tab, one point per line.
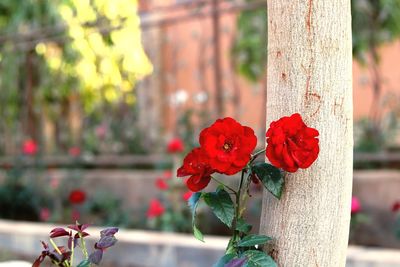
310	72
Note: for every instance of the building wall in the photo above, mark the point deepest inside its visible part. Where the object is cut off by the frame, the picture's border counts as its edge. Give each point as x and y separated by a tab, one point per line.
186	74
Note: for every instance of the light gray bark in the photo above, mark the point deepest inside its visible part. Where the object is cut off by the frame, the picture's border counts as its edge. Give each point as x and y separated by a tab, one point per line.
310	72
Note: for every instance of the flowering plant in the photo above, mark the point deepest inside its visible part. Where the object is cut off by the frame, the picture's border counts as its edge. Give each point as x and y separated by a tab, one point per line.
396	211
358	217
64	255
167	212
226	147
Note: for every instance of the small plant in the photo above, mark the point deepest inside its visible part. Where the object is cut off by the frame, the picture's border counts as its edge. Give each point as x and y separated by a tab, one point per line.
226	147
75	234
396	211
358	217
169	211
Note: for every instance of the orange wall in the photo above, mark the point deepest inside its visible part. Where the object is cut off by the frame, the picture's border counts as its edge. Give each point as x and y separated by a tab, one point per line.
189	43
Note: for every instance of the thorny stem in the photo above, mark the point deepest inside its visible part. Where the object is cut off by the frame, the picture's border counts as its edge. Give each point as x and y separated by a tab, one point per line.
227	186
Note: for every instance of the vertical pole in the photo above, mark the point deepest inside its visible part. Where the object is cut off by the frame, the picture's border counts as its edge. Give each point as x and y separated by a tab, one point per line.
310	72
219	102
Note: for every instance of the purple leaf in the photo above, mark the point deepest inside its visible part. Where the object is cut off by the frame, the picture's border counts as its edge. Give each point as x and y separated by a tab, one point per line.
96	256
109	231
236	262
57	232
106	242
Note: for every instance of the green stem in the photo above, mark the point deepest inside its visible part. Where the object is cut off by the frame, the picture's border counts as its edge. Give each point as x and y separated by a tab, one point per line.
237	210
255	155
72	252
227	186
55	246
83	245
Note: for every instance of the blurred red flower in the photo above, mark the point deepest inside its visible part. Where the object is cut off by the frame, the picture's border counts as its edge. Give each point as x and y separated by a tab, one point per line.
167	174
355	205
187	195
228	145
76	215
77	196
44	214
291	144
161	184
74	151
156	209
396	206
175	145
196	165
29	147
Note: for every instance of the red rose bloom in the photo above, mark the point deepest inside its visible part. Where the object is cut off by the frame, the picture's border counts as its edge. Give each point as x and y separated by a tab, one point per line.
228	144
161	184
175	146
291	144
396	206
29	147
77	196
196	165
156	209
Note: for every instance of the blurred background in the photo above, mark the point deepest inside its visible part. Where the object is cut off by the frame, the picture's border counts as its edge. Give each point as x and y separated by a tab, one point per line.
100	100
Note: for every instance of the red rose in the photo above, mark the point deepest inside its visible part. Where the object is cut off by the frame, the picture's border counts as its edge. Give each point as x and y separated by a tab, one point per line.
156	209
175	146
161	184
291	144
77	197
228	144
396	206
196	165
29	147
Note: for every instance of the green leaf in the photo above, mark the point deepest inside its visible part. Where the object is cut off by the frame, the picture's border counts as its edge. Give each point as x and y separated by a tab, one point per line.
256	258
242	226
221	204
252	240
193	203
84	263
197	233
224	260
270	176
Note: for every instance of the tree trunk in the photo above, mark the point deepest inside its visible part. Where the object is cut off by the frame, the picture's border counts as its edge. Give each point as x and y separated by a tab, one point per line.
310	72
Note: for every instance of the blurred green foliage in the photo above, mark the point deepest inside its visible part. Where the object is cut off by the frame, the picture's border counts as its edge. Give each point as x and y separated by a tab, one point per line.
250	47
59	54
374	23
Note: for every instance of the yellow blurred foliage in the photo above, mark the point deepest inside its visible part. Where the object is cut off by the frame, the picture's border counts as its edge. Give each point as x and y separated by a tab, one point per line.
106	36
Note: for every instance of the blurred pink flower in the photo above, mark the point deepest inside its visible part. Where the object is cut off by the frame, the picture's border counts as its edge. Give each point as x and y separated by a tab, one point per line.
355	205
187	195
76	215
101	131
167	174
44	214
74	151
175	145
161	184
54	183
29	147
